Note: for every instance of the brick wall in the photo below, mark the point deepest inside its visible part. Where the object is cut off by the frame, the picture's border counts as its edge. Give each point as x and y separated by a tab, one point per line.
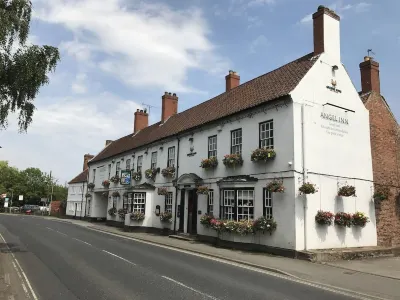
385	147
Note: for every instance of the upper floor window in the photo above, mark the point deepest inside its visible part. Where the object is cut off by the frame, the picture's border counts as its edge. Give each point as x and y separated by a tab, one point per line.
94	175
109	171
236	141
171	157
237	204
267	134
128	164
117	168
139	163
153	160
212	146
267	204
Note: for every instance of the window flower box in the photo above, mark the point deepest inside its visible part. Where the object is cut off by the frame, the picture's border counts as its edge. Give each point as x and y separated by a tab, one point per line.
205	220
359	219
308	188
202	190
137	216
343	219
166	217
115	194
122	212
324	217
263	154
276	186
263	225
381	194
209	163
91	186
106	183
137	176
151	173
115	179
232	160
168	172
112	211
162	191
347	191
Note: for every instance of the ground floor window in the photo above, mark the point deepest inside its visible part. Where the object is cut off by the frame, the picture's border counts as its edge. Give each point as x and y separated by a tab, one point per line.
210	203
168	202
267	204
139	202
237	204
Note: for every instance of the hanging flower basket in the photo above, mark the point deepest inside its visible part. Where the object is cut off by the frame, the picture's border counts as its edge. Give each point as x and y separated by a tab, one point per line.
137	216
151	173
359	219
209	163
91	186
112	211
263	225
276	186
168	172
105	194
263	154
202	190
343	219
347	191
88	195
324	217
137	176
166	217
115	194
162	191
381	193
232	160
308	188
114	179
122	212
106	183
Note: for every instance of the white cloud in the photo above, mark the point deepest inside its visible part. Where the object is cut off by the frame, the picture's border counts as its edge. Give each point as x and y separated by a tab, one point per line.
260	2
79	85
306	19
362	7
260	42
146	45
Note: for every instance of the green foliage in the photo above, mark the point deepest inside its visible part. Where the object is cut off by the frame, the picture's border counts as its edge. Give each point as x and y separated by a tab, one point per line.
24	70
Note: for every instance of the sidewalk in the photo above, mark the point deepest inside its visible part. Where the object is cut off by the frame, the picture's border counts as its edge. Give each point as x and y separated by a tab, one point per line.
373	278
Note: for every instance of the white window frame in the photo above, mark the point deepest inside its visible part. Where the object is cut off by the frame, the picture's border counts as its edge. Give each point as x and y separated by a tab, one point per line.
212	146
168	202
267	204
139	202
153	163
210	203
117	168
128	164
139	163
237	204
266	137
94	175
171	157
236	141
228	207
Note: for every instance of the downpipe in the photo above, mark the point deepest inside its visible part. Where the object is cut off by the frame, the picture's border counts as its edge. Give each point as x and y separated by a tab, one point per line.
176	184
303	145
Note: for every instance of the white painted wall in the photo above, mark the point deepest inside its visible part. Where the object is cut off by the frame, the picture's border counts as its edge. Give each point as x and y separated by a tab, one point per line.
76	199
332	37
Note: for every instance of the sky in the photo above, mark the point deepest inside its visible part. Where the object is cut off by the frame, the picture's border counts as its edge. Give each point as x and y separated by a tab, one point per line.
123	53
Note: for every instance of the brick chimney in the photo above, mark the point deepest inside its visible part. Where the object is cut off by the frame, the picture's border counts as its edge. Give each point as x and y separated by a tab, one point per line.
141	120
326	32
86	159
232	80
169	106
108	142
370	75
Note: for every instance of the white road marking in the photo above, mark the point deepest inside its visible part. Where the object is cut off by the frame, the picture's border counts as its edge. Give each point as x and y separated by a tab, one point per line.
7	279
190	288
50	228
20	270
61	233
119	257
82	241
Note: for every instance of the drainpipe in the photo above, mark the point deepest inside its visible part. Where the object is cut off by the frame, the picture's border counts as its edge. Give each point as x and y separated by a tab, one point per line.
176	184
303	143
83	190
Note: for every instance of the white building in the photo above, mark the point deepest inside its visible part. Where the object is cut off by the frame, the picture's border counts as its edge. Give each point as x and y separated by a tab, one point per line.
308	111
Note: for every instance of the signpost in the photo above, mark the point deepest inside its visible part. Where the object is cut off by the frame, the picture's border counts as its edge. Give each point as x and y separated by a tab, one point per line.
125	177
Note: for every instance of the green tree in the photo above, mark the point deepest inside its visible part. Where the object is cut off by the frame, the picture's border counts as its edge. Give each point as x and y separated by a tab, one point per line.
23	70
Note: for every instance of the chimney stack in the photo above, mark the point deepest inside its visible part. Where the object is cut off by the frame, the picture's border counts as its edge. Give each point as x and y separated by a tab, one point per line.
326	32
141	120
86	159
108	142
169	105
232	80
370	76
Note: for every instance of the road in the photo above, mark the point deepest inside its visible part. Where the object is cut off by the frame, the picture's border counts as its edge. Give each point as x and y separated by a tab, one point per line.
65	261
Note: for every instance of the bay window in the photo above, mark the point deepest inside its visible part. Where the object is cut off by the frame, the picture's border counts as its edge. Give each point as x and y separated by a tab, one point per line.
237	204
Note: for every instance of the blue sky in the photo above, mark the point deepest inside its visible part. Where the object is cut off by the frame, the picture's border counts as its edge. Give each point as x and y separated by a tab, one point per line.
127	52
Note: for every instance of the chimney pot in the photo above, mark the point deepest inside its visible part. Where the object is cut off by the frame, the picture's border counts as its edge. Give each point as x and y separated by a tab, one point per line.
174	94
232	80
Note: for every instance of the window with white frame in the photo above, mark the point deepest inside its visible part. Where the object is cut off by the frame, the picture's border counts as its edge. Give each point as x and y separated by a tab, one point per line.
267	204
139	202
236	141
212	146
153	160
210	203
171	157
168	202
267	134
139	163
127	202
237	204
117	168
128	164
109	171
94	175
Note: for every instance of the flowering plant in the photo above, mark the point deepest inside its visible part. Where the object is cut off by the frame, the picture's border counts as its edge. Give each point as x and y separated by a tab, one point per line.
381	193
115	194
262	154
115	179
347	191
202	190
209	163
263	225
166	216
105	194
217	225
112	211
324	217
88	195
105	183
90	186
206	220
359	219
276	186
233	160
168	172
245	227
162	191
137	176
122	212
151	173
343	219
308	188
137	216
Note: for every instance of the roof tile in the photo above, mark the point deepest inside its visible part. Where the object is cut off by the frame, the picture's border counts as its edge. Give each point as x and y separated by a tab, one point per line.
82	177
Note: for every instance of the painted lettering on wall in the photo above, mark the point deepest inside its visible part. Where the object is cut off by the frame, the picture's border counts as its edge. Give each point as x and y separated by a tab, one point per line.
334	118
335	125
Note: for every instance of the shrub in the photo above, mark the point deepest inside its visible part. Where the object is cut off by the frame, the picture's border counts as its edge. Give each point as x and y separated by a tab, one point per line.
381	193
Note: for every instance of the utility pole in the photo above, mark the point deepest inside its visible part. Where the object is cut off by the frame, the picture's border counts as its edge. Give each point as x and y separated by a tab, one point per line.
51	193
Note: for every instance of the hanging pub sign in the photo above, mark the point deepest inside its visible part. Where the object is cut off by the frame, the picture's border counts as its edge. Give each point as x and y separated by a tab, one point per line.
126	177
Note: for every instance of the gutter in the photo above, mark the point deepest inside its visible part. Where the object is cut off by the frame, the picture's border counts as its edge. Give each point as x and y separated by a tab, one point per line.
176	184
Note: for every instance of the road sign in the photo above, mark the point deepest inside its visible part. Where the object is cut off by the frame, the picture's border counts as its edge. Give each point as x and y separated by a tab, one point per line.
6	202
21	198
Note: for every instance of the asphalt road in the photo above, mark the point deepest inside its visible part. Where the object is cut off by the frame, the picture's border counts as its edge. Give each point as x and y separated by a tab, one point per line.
65	261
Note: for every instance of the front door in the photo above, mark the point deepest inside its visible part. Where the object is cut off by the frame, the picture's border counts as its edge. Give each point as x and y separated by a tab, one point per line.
192	212
181	212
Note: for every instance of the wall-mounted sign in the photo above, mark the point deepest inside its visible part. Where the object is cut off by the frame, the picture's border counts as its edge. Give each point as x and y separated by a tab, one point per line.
334	125
333	87
21	198
125	177
334	118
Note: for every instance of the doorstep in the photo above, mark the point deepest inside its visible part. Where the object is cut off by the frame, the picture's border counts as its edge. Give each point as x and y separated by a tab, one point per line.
183	237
